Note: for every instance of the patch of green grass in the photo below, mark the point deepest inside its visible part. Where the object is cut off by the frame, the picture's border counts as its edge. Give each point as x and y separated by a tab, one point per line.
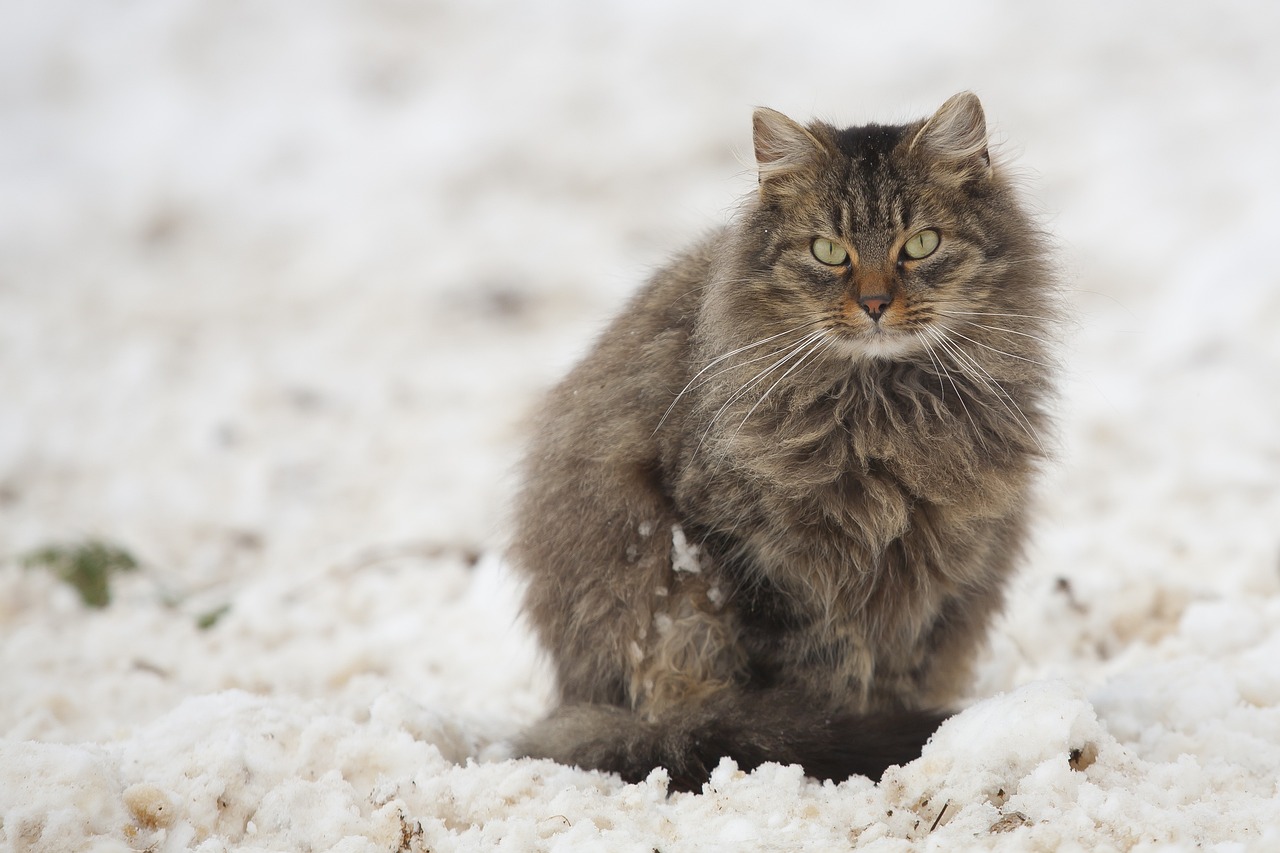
208	619
87	566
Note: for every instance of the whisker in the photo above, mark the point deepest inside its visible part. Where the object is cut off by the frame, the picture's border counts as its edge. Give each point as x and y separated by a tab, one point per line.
788	352
820	343
993	385
995	314
753	360
791	352
942	389
721	358
936	335
998	351
1003	330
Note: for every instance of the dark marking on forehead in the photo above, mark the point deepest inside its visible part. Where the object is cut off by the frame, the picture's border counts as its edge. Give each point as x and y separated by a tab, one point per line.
840	218
871	210
869	144
906	211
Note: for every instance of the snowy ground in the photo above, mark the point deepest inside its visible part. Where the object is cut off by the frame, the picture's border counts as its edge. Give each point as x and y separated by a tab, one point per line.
280	281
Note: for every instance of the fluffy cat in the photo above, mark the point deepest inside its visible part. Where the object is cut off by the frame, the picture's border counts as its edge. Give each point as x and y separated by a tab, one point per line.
770	515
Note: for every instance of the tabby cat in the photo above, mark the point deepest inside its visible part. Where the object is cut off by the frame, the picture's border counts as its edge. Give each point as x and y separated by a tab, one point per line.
770	515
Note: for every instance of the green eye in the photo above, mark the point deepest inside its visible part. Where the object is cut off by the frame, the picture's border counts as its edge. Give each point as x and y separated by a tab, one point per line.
828	252
922	244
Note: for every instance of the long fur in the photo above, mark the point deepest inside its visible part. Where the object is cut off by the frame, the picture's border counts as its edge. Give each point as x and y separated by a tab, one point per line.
757	522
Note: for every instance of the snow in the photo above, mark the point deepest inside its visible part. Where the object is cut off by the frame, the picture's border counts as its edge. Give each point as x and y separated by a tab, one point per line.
281	282
685	555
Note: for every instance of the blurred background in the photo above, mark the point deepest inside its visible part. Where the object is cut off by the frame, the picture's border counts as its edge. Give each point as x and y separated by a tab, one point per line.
280	281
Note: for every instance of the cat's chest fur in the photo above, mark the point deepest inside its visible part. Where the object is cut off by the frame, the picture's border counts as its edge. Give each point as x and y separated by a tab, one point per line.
845	456
847	517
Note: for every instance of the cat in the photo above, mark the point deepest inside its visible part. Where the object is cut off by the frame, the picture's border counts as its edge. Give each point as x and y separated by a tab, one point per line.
770	515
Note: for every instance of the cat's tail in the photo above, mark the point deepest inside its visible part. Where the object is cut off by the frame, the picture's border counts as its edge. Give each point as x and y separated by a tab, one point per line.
749	728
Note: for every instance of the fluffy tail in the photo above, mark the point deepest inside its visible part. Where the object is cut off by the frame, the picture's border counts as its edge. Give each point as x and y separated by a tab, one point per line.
750	729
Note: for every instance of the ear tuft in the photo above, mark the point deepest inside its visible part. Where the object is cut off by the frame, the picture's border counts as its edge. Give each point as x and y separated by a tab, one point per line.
956	137
782	145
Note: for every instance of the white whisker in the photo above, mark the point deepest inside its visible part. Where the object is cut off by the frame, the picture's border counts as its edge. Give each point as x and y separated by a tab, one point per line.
942	389
937	336
752	360
791	353
995	314
1002	330
993	385
997	350
819	343
721	358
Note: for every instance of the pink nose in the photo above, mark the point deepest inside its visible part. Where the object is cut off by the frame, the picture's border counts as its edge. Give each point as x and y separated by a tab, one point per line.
875	305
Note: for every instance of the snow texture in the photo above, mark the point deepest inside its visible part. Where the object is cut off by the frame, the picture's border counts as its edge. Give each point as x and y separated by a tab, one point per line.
685	556
281	281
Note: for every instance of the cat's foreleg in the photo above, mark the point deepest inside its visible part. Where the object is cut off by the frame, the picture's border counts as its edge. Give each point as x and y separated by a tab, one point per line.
616	596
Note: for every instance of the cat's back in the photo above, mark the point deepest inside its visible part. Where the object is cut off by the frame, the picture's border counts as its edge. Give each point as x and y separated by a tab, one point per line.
617	393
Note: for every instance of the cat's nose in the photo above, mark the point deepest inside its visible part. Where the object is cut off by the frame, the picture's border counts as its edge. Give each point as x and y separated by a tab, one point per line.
875	305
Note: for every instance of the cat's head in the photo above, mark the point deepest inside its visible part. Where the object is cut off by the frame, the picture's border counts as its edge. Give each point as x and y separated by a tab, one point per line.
887	236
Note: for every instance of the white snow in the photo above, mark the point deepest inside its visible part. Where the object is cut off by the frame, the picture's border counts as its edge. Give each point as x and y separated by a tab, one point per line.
685	555
281	281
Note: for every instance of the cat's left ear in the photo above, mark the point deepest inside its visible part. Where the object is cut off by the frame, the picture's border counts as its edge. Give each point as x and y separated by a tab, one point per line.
783	147
955	138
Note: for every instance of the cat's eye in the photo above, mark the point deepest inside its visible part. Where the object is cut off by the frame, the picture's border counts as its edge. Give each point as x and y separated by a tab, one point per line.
828	252
922	244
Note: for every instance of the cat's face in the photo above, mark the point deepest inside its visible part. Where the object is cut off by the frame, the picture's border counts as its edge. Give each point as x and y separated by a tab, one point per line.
887	239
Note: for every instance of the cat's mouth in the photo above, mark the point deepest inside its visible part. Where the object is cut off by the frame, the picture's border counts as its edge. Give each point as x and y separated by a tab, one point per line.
880	341
872	327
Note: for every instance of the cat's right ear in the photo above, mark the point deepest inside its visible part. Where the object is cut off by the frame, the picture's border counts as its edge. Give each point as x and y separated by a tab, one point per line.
955	138
783	146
